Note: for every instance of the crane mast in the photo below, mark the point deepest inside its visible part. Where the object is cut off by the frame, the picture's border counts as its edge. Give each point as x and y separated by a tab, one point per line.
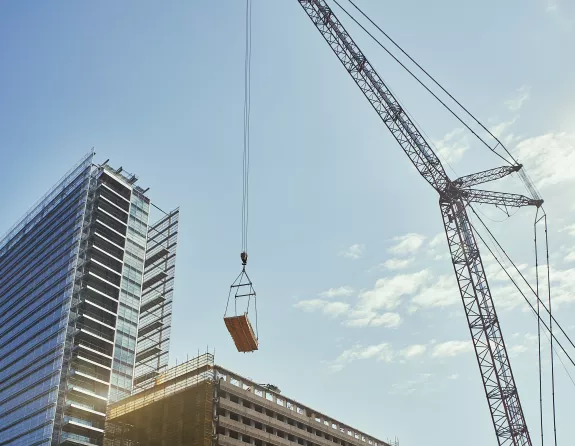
454	196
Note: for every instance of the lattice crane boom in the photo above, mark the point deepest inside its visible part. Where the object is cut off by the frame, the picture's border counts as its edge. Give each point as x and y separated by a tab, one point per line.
454	196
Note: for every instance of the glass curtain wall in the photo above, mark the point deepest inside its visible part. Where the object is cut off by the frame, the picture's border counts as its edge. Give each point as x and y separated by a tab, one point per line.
38	260
130	295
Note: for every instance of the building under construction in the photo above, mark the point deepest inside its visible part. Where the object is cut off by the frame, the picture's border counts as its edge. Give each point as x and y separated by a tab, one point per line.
199	403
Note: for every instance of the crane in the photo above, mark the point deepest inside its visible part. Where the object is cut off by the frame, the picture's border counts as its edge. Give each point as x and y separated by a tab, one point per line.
454	197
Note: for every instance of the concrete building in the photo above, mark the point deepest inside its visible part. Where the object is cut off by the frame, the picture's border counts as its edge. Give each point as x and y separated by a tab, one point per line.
85	303
199	403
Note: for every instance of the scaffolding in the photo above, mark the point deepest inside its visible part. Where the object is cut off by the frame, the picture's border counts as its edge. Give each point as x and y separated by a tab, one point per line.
156	306
178	410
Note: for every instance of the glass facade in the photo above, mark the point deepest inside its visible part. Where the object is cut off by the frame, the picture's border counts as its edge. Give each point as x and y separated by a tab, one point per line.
71	280
130	296
38	260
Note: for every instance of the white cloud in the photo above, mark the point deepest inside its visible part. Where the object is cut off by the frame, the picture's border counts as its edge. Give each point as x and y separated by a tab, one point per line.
452	146
517	349
454	376
407	244
333	309
437	241
342	291
379	352
388	292
549	159
367	318
562	286
414	350
442	292
508	298
551	6
390	320
522	95
570	229
570	257
354	252
500	129
395	264
438	248
412	385
451	348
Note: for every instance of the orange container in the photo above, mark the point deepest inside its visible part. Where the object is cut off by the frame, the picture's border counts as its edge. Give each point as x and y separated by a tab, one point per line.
242	333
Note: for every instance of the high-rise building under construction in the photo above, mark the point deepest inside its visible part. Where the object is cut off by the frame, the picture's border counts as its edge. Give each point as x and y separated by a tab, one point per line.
199	403
86	289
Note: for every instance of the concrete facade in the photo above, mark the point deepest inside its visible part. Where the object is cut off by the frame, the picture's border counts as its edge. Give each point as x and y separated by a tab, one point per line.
250	413
229	410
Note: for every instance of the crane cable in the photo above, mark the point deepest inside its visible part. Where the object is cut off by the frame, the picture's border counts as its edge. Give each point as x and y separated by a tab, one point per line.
521	291
242	287
247	113
524	177
378	42
550	330
526	181
538	325
521	174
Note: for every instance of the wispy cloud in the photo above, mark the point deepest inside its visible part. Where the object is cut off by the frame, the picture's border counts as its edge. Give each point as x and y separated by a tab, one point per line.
359	318
378	352
570	230
414	350
550	158
389	291
407	244
397	264
354	252
438	247
451	348
452	146
437	241
329	308
521	96
442	292
342	291
386	352
551	6
501	128
410	386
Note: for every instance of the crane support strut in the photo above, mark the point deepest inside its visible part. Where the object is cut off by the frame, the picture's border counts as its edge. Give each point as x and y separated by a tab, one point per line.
454	196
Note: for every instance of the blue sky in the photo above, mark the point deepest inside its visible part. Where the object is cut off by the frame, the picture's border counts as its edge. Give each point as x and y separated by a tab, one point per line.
358	314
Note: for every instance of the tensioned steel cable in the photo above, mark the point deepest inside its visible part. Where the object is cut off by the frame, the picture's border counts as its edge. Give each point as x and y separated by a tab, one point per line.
247	113
427	88
551	331
538	325
522	174
515	283
436	83
378	42
524	279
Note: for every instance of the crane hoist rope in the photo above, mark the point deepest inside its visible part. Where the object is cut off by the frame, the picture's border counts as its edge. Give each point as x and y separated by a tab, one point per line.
242	290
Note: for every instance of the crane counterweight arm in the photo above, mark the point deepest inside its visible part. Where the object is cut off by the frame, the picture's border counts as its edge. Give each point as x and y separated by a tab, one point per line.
486	176
498	198
385	104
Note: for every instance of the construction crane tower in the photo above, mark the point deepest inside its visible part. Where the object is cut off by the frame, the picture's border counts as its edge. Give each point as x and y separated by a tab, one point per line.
454	197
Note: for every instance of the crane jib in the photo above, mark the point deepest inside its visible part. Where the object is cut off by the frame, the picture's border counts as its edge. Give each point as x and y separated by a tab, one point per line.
418	150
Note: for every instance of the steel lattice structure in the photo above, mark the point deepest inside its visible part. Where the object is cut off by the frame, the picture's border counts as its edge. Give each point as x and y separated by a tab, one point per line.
454	196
